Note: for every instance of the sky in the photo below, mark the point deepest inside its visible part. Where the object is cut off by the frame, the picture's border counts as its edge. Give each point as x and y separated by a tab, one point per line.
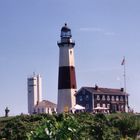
104	31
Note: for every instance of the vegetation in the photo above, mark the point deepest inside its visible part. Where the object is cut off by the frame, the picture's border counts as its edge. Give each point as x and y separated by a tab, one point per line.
83	126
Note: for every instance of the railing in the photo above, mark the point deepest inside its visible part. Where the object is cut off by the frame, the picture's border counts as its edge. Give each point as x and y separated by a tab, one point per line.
66	41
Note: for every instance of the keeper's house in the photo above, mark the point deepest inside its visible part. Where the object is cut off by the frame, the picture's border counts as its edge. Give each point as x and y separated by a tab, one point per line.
45	106
114	100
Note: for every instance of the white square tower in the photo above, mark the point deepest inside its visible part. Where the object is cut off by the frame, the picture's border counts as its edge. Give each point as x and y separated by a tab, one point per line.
34	84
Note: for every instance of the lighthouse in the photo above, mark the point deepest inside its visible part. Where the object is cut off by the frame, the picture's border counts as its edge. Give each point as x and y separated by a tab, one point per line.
66	76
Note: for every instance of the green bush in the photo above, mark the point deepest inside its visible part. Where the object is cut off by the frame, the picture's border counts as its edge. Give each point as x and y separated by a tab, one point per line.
81	126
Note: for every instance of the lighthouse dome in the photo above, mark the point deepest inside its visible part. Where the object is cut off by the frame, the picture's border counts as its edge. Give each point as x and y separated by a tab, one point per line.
65	31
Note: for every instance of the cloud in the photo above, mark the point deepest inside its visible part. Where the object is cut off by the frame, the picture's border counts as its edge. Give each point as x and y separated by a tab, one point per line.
91	29
109	33
96	29
101	70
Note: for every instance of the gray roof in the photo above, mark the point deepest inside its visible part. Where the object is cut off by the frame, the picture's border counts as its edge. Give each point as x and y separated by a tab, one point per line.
46	103
100	90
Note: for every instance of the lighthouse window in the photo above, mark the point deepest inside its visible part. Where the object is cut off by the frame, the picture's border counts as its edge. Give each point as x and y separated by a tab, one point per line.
70	52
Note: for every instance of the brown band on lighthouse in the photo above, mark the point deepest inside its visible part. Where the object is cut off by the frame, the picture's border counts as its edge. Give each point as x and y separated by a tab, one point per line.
67	79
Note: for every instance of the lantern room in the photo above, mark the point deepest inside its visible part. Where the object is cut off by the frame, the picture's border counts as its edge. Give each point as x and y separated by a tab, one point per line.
65	32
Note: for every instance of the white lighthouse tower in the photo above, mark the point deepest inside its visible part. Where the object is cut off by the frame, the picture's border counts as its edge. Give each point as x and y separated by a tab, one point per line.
66	78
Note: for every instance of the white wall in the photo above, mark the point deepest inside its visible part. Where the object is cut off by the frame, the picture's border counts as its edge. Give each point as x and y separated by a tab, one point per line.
34	92
66	98
66	56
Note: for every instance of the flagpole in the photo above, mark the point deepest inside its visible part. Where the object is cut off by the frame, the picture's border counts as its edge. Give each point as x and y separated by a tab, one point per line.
124	74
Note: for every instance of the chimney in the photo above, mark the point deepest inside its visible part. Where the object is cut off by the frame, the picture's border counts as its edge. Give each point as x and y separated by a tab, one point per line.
122	89
96	87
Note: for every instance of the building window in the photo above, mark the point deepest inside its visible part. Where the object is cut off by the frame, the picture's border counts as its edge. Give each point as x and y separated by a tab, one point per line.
104	105
108	98
42	110
98	105
98	97
122	107
80	98
87	106
103	97
112	98
34	111
125	98
52	109
83	92
48	110
117	98
87	97
38	110
121	98
108	106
